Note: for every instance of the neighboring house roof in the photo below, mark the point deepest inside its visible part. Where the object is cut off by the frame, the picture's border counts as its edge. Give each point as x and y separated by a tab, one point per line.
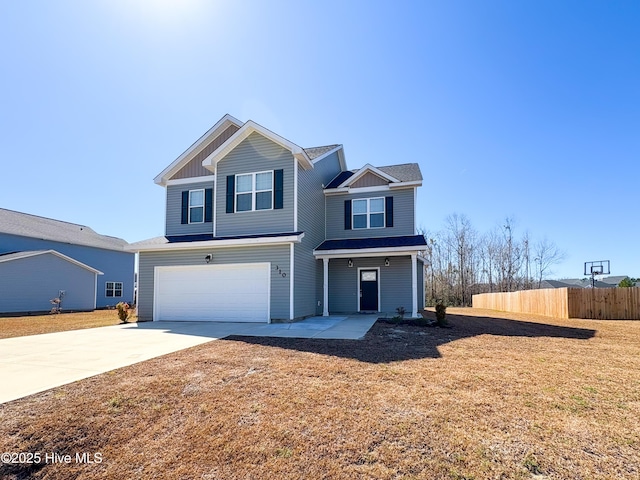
576	283
613	280
375	242
8	257
556	284
406	172
33	226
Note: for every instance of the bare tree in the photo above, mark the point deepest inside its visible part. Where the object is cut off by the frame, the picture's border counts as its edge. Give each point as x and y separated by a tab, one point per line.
547	254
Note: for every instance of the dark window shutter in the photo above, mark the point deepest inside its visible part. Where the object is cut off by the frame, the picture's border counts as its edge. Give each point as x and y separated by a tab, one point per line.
347	214
389	211
208	204
231	188
278	189
185	207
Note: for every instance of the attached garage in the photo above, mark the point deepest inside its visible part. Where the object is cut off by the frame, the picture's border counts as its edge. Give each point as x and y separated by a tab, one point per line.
219	293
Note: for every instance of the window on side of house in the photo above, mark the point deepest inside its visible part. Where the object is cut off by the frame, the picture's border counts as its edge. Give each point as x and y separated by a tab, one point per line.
113	289
368	213
196	206
254	191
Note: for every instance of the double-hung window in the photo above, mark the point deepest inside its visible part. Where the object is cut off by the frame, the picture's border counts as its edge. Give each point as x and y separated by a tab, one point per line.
368	213
196	206
254	191
113	289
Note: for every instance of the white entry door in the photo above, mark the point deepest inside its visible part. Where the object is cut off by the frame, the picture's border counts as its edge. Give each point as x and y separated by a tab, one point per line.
214	293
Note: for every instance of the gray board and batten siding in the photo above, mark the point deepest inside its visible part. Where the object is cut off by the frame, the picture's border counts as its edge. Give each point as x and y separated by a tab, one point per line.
28	284
395	284
174	225
403	215
255	154
117	266
276	255
311	210
194	168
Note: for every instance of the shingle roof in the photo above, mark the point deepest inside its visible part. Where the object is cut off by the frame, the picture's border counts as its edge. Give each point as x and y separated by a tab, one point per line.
32	226
315	152
204	237
341	177
8	257
377	242
405	172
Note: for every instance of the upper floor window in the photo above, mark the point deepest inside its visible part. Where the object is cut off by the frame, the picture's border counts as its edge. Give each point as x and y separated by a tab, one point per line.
196	206
254	191
113	289
368	213
364	213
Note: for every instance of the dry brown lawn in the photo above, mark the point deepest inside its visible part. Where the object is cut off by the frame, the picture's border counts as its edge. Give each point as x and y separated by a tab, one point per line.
497	396
49	323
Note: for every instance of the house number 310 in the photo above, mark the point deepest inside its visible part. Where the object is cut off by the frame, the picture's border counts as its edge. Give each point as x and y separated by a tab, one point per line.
277	267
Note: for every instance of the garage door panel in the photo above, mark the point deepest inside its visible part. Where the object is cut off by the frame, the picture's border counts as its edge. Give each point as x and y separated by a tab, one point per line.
238	292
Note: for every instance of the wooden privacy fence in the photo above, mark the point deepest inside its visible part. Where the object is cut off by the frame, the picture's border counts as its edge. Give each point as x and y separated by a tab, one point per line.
596	303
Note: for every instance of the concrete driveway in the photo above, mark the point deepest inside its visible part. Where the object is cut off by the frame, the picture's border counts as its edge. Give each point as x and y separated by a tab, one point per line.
36	363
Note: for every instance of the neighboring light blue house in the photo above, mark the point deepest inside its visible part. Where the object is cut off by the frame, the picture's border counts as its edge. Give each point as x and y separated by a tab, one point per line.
259	229
39	257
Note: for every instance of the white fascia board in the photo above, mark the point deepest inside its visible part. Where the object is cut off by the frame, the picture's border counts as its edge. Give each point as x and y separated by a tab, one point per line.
186	181
246	130
366	252
236	242
57	254
187	155
413	183
367	168
377	188
325	155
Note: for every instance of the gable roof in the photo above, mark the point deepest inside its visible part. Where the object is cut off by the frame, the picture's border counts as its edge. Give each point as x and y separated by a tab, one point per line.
247	129
222	124
8	257
403	173
33	226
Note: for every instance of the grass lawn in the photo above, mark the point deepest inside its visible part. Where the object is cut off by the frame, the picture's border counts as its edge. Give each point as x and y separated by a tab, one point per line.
497	396
48	323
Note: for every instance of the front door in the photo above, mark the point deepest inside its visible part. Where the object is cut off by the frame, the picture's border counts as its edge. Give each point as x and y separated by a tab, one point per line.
369	290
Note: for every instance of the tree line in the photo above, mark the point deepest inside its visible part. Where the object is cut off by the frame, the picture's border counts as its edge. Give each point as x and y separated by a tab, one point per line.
461	262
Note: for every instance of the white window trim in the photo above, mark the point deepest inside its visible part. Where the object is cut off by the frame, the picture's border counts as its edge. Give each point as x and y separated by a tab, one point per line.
204	201
369	213
253	191
106	287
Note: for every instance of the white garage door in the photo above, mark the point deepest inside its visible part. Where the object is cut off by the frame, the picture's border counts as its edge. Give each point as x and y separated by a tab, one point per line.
219	293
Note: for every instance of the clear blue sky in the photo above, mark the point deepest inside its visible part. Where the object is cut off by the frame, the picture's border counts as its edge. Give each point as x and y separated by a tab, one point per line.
529	109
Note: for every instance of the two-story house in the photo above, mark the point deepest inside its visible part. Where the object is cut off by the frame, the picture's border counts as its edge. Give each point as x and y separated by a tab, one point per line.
259	229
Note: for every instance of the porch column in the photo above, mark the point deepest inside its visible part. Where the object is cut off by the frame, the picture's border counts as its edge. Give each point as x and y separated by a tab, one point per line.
325	287
414	285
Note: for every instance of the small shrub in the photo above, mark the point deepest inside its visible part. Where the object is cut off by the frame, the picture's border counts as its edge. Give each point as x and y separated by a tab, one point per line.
124	311
401	311
441	314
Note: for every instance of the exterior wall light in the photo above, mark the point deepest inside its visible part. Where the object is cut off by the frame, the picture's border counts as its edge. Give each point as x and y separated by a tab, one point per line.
386	262
208	258
350	263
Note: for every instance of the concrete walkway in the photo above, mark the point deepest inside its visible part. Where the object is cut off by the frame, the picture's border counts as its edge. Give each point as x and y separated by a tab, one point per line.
36	363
